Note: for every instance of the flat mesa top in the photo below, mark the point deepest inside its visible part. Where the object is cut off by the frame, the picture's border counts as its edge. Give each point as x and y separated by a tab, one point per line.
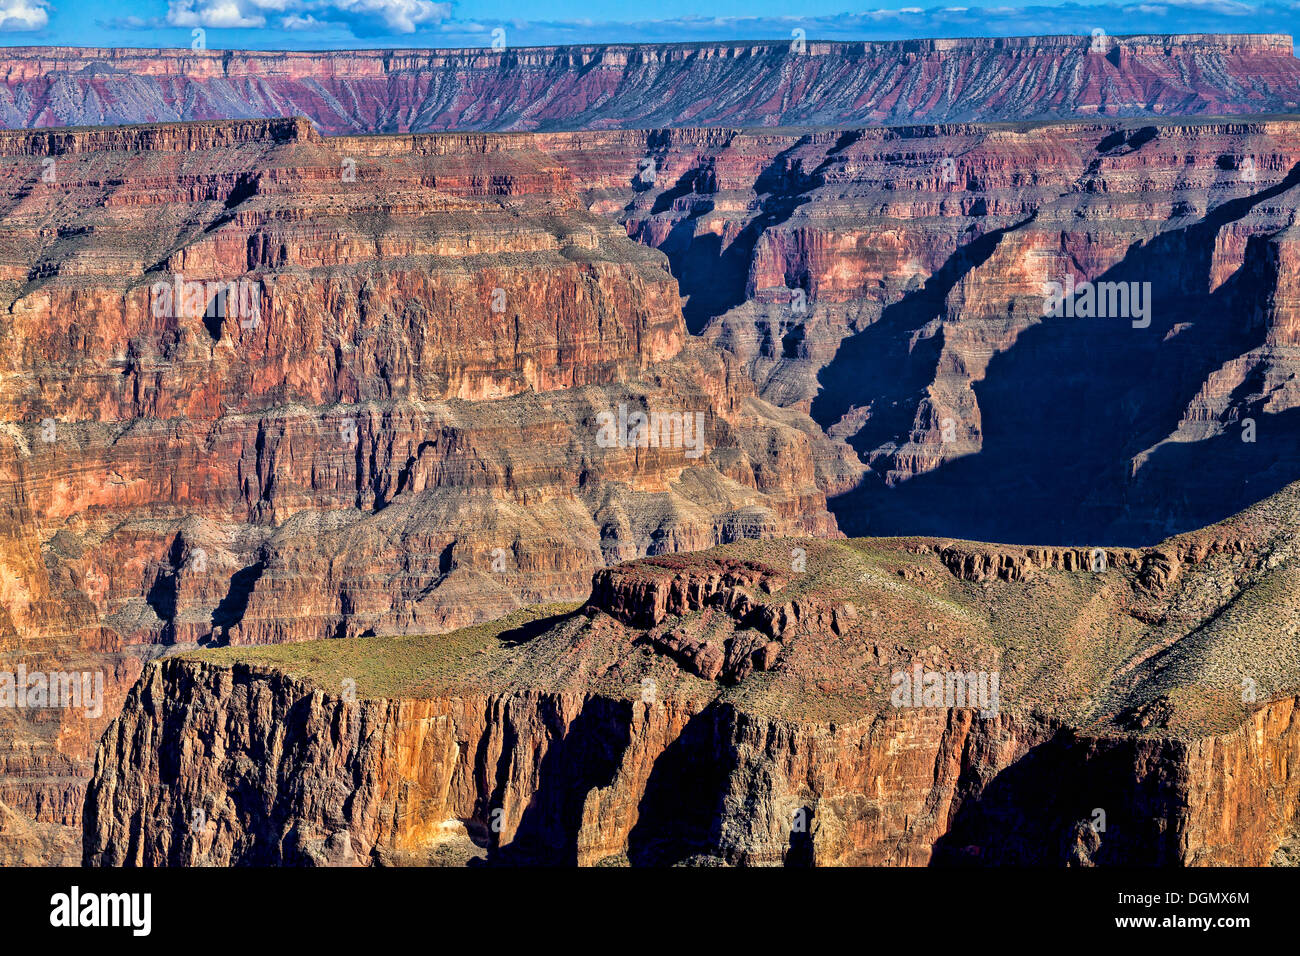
863	610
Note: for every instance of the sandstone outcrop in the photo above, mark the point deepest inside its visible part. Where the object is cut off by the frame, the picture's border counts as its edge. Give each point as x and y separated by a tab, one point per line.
642	595
1115	731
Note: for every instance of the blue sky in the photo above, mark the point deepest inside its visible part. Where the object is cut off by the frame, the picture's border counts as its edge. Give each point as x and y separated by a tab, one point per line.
329	24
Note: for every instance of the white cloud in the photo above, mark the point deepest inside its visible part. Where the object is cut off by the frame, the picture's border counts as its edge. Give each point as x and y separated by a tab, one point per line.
1227	7
23	14
280	24
295	22
212	13
364	17
400	16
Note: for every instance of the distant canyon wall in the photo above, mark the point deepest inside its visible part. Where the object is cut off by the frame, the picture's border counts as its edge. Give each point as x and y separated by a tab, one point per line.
894	284
613	86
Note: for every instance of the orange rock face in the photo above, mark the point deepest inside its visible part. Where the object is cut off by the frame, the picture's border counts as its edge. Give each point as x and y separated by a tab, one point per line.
676	783
739	707
645	782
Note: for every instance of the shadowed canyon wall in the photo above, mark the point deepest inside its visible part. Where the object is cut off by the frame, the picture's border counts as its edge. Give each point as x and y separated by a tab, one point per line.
892	283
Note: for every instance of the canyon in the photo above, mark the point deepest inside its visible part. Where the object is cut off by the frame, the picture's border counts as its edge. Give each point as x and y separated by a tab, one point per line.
638	86
893	284
389	424
301	447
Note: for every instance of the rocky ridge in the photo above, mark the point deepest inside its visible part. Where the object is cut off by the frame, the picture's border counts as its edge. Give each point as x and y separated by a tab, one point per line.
595	737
